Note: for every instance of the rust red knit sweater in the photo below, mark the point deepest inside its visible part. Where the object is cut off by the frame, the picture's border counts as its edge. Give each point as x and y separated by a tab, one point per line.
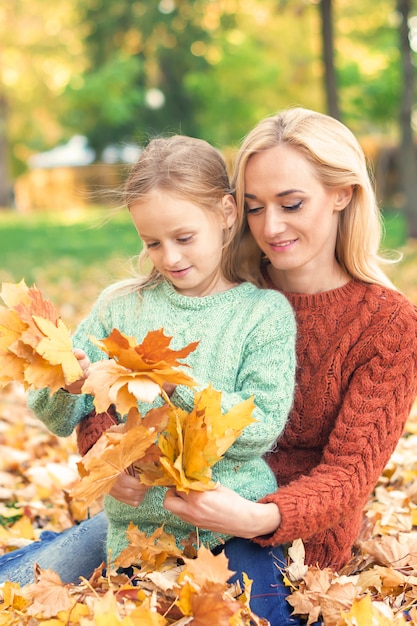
356	383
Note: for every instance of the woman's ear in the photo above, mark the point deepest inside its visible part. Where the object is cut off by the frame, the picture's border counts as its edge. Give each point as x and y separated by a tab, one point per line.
230	210
343	197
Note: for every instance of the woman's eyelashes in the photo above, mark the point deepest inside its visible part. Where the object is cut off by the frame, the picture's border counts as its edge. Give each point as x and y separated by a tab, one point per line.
286	207
293	207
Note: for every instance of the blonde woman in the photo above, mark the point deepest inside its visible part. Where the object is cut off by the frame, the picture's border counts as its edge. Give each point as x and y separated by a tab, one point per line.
313	229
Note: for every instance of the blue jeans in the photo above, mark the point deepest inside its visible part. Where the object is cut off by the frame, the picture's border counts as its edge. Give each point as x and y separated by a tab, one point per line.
79	550
73	553
263	566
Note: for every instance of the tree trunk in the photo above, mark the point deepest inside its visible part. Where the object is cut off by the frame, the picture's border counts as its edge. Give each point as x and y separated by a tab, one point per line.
5	187
408	161
330	84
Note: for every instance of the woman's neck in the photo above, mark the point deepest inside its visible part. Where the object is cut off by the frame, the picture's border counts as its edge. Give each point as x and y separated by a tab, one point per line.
300	281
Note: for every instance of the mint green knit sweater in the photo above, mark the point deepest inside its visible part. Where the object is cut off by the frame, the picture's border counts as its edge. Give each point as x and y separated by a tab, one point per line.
246	347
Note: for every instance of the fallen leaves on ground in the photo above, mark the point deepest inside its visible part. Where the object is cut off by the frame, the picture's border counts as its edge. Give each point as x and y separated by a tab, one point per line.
37	470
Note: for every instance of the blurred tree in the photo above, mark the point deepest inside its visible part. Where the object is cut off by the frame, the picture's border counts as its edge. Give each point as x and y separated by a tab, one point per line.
330	82
5	185
39	50
408	161
262	56
139	54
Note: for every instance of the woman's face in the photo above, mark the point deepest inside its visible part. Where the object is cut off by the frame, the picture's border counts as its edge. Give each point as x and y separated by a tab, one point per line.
294	218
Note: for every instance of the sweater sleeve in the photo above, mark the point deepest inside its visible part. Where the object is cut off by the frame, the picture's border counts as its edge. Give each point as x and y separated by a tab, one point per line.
267	373
62	411
375	407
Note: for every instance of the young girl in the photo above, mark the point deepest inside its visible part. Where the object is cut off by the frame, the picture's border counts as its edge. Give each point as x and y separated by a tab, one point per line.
179	199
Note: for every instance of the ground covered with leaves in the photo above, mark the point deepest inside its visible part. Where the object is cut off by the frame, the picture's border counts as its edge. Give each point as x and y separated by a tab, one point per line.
38	470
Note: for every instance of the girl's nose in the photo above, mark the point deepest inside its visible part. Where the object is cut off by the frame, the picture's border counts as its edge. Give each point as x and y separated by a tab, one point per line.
172	255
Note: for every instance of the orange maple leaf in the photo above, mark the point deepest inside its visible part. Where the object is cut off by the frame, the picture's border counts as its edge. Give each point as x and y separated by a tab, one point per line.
35	345
150	551
135	372
206	568
117	449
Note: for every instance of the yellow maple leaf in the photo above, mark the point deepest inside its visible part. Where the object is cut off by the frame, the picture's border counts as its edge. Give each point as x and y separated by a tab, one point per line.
15	294
35	345
56	348
135	371
150	551
146	616
193	442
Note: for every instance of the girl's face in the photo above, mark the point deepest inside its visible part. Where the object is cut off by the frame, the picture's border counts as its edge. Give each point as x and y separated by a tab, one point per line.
294	219
184	241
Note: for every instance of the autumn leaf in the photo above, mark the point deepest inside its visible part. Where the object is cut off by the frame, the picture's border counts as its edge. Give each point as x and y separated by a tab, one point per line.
150	551
35	345
135	372
193	442
203	589
114	452
49	595
207	567
297	569
213	608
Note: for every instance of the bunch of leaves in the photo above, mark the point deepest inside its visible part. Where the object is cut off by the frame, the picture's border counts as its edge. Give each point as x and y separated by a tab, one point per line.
35	345
168	447
115	451
194	442
135	371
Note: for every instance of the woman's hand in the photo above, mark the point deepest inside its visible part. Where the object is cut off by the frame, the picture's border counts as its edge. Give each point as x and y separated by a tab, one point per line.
129	490
224	511
84	363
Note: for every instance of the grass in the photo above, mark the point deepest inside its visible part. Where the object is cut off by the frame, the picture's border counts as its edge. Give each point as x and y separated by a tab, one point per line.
70	257
31	241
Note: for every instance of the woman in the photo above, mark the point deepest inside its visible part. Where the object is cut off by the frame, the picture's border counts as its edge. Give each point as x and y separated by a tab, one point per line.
314	229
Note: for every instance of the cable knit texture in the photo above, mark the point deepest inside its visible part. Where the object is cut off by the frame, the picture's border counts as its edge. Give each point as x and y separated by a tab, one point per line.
90	429
247	347
356	383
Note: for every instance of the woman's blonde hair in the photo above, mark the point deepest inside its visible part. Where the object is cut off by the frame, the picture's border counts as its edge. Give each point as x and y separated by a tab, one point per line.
338	160
190	169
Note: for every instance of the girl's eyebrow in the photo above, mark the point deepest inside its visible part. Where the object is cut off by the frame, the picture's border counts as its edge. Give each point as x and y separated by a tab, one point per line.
277	195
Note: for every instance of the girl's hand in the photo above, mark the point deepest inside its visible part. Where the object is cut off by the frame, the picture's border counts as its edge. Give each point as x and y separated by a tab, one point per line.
84	363
224	511
129	490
